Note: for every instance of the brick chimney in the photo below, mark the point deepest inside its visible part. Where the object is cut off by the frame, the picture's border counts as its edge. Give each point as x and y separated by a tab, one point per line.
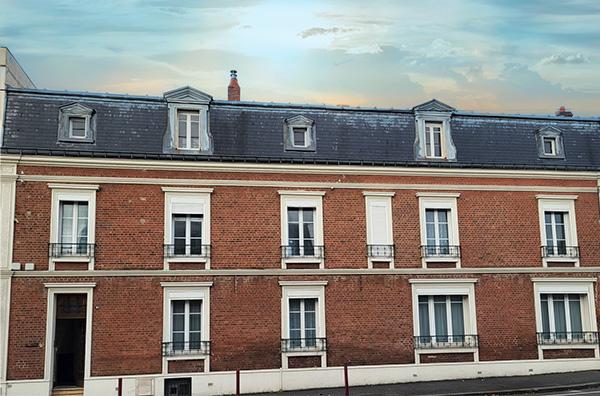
563	112
233	89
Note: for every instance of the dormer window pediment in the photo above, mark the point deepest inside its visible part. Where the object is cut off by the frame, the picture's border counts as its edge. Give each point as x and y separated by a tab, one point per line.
550	142
433	137
299	134
76	124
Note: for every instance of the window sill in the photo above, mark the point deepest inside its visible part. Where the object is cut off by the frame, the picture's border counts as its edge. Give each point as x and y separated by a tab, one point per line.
425	351
305	352
71	259
303	260
442	259
187	259
569	346
560	259
194	356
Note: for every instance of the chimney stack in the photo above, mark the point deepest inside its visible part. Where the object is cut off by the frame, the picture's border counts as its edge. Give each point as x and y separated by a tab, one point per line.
563	112
233	89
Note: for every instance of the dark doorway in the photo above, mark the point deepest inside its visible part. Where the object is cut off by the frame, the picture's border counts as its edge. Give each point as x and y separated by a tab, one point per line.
69	340
178	387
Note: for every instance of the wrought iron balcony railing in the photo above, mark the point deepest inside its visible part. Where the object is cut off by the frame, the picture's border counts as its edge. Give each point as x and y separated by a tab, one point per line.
380	251
560	252
568	338
444	251
193	250
316	344
186	348
446	341
306	251
85	250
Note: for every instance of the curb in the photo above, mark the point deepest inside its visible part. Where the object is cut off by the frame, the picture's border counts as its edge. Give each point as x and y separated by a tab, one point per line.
537	389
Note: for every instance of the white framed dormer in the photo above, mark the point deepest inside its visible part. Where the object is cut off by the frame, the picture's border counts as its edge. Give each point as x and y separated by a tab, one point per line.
558	230
76	124
303	331
565	314
550	143
433	139
186	322
380	235
302	228
440	242
299	134
444	317
72	224
188	130
187	226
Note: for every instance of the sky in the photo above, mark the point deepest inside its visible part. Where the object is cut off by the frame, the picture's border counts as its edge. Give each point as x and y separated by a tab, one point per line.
507	56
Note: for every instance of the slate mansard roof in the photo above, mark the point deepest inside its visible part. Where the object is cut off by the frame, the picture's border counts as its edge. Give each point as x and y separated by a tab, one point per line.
135	127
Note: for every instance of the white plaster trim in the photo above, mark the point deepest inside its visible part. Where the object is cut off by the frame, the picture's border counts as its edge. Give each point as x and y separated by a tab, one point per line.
561	280
187	190
565	197
303	283
438	194
437	201
186	284
74	186
301	199
452	280
303	193
379	193
558	203
70	285
381	201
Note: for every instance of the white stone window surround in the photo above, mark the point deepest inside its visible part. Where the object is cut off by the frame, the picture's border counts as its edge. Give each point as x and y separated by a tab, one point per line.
447	144
198	202
186	291
303	289
446	287
440	200
299	122
558	203
76	110
381	200
174	109
78	193
581	286
302	199
558	145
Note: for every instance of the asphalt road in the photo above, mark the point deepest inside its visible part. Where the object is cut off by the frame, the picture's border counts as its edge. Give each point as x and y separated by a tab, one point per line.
586	392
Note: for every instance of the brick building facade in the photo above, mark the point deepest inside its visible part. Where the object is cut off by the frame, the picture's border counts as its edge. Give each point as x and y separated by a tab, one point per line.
170	241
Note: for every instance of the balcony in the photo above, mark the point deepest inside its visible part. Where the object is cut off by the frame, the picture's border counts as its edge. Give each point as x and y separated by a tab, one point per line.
446	342
380	252
560	252
84	251
312	252
568	338
317	344
193	251
440	252
191	348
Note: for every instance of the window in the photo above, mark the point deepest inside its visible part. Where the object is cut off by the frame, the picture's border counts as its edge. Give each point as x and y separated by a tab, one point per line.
433	139
558	229
187	226
301	228
303	320
72	228
299	134
439	228
380	241
444	317
565	314
188	130
186	332
76	124
77	127
549	146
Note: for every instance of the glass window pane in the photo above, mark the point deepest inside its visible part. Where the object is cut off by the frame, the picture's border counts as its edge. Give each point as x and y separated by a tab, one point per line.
179	227
295	304
195	228
441	319
178	306
293	214
438	144
545	314
294	320
308	215
178	341
293	230
560	320
423	317
299	137
310	304
575	311
442	216
309	231
458	320
195	306
178	322
429	215
310	321
195	322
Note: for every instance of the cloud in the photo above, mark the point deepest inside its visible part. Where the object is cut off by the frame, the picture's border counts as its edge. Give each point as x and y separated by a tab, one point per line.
319	31
564	59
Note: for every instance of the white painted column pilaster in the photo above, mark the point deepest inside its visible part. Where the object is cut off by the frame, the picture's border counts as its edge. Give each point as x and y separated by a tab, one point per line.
8	178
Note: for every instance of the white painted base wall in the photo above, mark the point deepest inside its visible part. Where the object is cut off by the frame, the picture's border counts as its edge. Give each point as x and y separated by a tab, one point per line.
223	383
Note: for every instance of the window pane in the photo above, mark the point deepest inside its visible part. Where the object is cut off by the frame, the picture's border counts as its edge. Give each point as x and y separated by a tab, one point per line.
441	319
437	144
545	315
294	320
560	320
575	310
195	228
195	306
310	321
310	304
458	320
308	215
295	304
179	227
548	146
293	230
182	131
299	137
308	231
293	214
423	317
178	322
77	127
195	133
178	341
195	322
430	215
178	306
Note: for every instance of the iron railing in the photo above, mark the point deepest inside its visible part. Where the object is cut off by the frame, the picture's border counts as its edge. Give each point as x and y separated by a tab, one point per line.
186	348
449	251
560	251
446	341
567	338
380	251
194	250
71	250
306	251
315	344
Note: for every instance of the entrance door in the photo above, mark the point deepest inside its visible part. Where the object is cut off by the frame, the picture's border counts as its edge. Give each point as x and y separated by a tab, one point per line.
69	340
178	387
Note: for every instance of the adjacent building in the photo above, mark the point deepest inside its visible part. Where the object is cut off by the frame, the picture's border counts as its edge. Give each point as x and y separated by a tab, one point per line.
155	245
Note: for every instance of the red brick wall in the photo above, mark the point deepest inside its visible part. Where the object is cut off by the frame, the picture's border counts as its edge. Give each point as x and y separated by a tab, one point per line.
568	353
185	366
446	357
304	361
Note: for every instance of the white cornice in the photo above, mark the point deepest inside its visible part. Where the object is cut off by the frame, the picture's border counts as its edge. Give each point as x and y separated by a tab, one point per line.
186	284
564	197
303	193
65	285
379	193
188	190
302	283
562	280
74	186
437	281
438	195
104	163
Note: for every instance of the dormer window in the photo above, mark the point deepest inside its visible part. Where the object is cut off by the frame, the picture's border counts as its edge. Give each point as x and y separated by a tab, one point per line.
76	124
433	138
299	134
188	129
550	143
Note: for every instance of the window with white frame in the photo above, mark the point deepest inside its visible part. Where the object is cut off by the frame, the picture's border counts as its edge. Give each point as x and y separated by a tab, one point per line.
188	130
303	318
549	145
439	226
565	312
380	241
558	228
78	127
299	134
76	124
186	319
72	228
444	314
434	147
187	224
302	226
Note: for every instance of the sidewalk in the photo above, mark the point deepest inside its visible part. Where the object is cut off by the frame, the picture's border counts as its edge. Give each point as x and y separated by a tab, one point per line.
482	386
